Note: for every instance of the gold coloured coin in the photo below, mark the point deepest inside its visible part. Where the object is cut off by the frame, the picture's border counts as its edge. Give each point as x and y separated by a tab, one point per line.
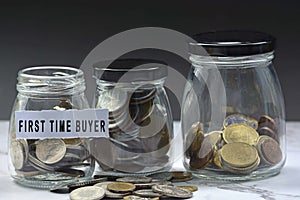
121	187
217	159
239	154
193	140
191	188
240	133
72	141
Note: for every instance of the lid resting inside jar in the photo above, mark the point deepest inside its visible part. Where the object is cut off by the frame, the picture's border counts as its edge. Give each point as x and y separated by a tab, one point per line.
231	43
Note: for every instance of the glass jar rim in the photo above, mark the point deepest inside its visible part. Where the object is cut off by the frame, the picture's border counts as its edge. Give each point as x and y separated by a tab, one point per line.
232	43
130	70
62	75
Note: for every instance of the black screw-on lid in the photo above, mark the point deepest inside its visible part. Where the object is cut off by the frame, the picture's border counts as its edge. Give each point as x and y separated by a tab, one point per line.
232	43
130	70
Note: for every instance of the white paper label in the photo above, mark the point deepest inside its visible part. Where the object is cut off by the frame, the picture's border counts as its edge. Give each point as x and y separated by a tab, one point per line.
61	124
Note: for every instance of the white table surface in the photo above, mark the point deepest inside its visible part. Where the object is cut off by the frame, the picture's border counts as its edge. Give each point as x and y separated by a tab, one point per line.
286	185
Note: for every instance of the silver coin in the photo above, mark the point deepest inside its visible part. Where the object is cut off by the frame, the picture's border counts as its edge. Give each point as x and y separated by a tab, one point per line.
87	193
115	195
133	197
113	100
50	151
161	176
103	184
17	154
135	179
172	191
146	193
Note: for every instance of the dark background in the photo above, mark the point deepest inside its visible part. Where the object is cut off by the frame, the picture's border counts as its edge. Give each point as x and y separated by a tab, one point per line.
64	32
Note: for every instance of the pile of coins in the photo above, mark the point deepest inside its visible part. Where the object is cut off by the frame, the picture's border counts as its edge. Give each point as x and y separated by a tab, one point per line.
243	145
155	186
50	159
139	131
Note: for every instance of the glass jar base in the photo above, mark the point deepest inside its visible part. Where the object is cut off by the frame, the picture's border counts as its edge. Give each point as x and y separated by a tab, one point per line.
225	176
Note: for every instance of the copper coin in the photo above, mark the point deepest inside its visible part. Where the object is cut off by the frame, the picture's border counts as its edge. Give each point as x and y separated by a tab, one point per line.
269	132
271	151
204	156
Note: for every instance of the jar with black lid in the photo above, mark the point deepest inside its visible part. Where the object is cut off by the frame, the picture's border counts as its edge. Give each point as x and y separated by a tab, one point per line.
140	119
233	114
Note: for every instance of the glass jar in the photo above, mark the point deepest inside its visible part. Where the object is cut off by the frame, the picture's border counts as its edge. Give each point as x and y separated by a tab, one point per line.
233	115
140	120
40	161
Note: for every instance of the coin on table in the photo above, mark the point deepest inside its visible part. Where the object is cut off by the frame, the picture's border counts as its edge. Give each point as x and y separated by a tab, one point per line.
87	193
240	133
172	191
116	195
121	187
149	185
146	193
84	183
134	197
104	184
269	150
135	179
239	154
161	176
191	188
17	154
50	151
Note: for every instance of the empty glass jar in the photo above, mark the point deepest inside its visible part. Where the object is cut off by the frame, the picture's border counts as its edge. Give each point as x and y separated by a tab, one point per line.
233	115
42	161
140	120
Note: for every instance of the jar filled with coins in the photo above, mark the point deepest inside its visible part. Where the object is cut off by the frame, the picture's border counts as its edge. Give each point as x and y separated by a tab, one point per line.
44	151
140	120
233	115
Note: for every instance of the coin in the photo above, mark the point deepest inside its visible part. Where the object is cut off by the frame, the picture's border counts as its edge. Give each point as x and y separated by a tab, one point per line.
269	150
149	185
240	133
17	154
239	154
193	140
268	121
103	184
161	176
133	197
113	99
217	159
213	137
191	188
203	157
172	191
135	179
84	183
269	132
121	187
65	103
72	141
50	151
146	193
114	195
87	193
240	119
181	176
241	170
